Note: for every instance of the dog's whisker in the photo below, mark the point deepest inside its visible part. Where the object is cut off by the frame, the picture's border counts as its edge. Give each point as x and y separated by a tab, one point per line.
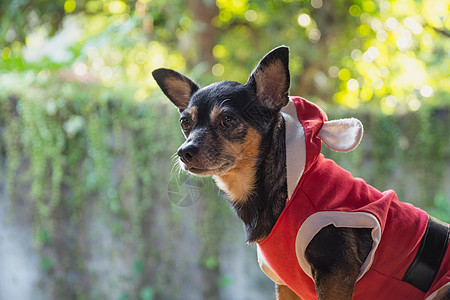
179	169
174	156
176	167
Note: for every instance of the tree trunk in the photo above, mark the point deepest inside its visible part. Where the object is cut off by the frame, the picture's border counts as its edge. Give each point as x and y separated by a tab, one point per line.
205	33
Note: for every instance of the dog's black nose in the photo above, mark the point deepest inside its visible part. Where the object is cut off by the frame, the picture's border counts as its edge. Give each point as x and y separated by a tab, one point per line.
187	152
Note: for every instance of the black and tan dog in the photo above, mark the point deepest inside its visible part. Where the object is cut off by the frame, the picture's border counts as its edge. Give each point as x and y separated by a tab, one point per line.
320	232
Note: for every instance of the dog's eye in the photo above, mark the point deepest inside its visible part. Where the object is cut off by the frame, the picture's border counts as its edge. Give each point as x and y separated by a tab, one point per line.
227	122
185	123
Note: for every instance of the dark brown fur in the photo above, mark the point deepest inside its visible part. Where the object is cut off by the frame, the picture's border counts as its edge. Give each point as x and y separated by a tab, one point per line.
443	294
336	255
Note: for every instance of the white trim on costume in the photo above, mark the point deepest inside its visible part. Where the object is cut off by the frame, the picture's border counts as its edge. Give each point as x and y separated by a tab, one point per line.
266	268
295	147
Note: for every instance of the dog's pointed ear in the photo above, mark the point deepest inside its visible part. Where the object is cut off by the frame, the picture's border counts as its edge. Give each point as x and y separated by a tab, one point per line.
177	87
341	135
271	79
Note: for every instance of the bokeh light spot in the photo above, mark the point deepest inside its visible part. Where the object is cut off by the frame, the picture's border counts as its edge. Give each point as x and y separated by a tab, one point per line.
69	6
353	85
426	91
218	70
304	20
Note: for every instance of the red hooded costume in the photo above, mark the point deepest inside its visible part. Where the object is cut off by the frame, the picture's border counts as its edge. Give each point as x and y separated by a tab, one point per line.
323	194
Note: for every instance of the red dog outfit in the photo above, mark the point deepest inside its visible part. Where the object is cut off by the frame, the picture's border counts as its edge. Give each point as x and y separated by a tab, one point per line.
322	193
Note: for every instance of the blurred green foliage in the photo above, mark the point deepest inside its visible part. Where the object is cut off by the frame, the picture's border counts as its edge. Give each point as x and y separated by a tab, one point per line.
83	124
389	55
85	149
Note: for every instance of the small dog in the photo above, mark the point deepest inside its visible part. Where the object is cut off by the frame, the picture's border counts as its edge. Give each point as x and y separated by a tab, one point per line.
321	233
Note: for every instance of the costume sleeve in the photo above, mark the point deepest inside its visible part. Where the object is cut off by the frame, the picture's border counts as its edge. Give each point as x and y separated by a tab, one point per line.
314	223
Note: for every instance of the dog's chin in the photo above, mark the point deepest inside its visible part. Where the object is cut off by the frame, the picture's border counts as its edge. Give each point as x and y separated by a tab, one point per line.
209	171
202	172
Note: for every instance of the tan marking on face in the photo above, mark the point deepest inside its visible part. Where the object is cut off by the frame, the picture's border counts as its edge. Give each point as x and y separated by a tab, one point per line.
215	113
193	112
239	182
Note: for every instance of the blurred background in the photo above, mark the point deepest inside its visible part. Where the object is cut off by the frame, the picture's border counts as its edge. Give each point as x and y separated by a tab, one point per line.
92	205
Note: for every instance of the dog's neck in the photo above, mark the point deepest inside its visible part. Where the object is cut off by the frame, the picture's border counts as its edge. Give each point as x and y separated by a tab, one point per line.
258	192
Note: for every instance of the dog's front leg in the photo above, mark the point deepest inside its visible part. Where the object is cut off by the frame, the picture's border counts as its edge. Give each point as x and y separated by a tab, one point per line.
336	255
285	293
